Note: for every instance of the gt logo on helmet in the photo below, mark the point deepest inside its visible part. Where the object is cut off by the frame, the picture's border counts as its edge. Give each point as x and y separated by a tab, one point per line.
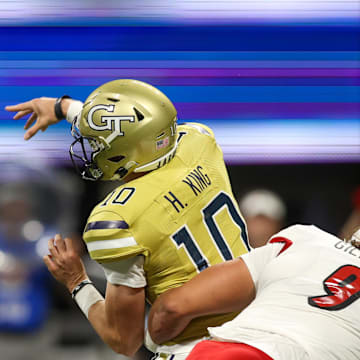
112	123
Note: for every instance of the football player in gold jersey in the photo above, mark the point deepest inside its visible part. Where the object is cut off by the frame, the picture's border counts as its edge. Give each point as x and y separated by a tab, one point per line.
173	216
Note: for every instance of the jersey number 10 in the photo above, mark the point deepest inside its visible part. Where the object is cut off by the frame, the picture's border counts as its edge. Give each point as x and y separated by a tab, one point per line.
183	236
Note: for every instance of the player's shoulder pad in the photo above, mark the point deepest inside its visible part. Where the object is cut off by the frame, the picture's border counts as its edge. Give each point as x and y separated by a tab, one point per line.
108	237
203	129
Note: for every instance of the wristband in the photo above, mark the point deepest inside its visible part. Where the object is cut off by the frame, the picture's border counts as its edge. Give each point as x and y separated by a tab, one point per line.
80	286
86	296
57	108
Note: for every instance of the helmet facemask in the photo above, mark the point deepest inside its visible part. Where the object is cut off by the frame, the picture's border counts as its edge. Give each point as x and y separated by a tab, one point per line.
82	153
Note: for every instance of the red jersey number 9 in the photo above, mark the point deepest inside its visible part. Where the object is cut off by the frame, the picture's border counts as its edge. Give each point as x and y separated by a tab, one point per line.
342	288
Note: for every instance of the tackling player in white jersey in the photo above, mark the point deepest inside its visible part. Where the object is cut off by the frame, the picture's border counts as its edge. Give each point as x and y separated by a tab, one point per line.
299	297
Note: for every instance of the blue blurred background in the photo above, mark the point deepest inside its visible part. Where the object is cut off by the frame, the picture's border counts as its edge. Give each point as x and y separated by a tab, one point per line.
277	81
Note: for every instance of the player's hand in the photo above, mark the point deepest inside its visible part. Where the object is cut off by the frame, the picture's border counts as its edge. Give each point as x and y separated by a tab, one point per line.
42	114
64	263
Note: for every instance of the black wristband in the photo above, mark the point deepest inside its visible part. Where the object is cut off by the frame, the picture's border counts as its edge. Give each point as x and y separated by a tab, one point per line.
80	286
57	108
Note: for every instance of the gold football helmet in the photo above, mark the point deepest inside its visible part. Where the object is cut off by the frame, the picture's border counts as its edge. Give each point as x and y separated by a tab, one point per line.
125	126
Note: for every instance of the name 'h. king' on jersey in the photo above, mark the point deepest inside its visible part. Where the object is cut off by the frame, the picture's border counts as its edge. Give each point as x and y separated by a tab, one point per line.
181	217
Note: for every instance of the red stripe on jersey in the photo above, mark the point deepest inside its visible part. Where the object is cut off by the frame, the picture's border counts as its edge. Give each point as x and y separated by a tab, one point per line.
279	239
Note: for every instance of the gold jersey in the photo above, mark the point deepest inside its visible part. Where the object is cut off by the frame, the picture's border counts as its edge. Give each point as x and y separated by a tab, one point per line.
182	217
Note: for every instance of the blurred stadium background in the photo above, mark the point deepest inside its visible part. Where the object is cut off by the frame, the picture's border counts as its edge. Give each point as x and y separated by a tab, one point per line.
277	81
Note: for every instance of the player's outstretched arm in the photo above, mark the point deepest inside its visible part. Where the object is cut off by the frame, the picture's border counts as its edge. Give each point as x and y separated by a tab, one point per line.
42	113
119	318
222	288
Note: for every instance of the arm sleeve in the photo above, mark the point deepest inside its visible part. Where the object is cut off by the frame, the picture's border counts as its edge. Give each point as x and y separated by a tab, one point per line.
109	238
256	260
128	272
73	111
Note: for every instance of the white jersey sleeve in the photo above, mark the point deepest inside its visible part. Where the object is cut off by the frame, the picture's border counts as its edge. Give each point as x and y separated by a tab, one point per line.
73	111
256	260
128	272
277	244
